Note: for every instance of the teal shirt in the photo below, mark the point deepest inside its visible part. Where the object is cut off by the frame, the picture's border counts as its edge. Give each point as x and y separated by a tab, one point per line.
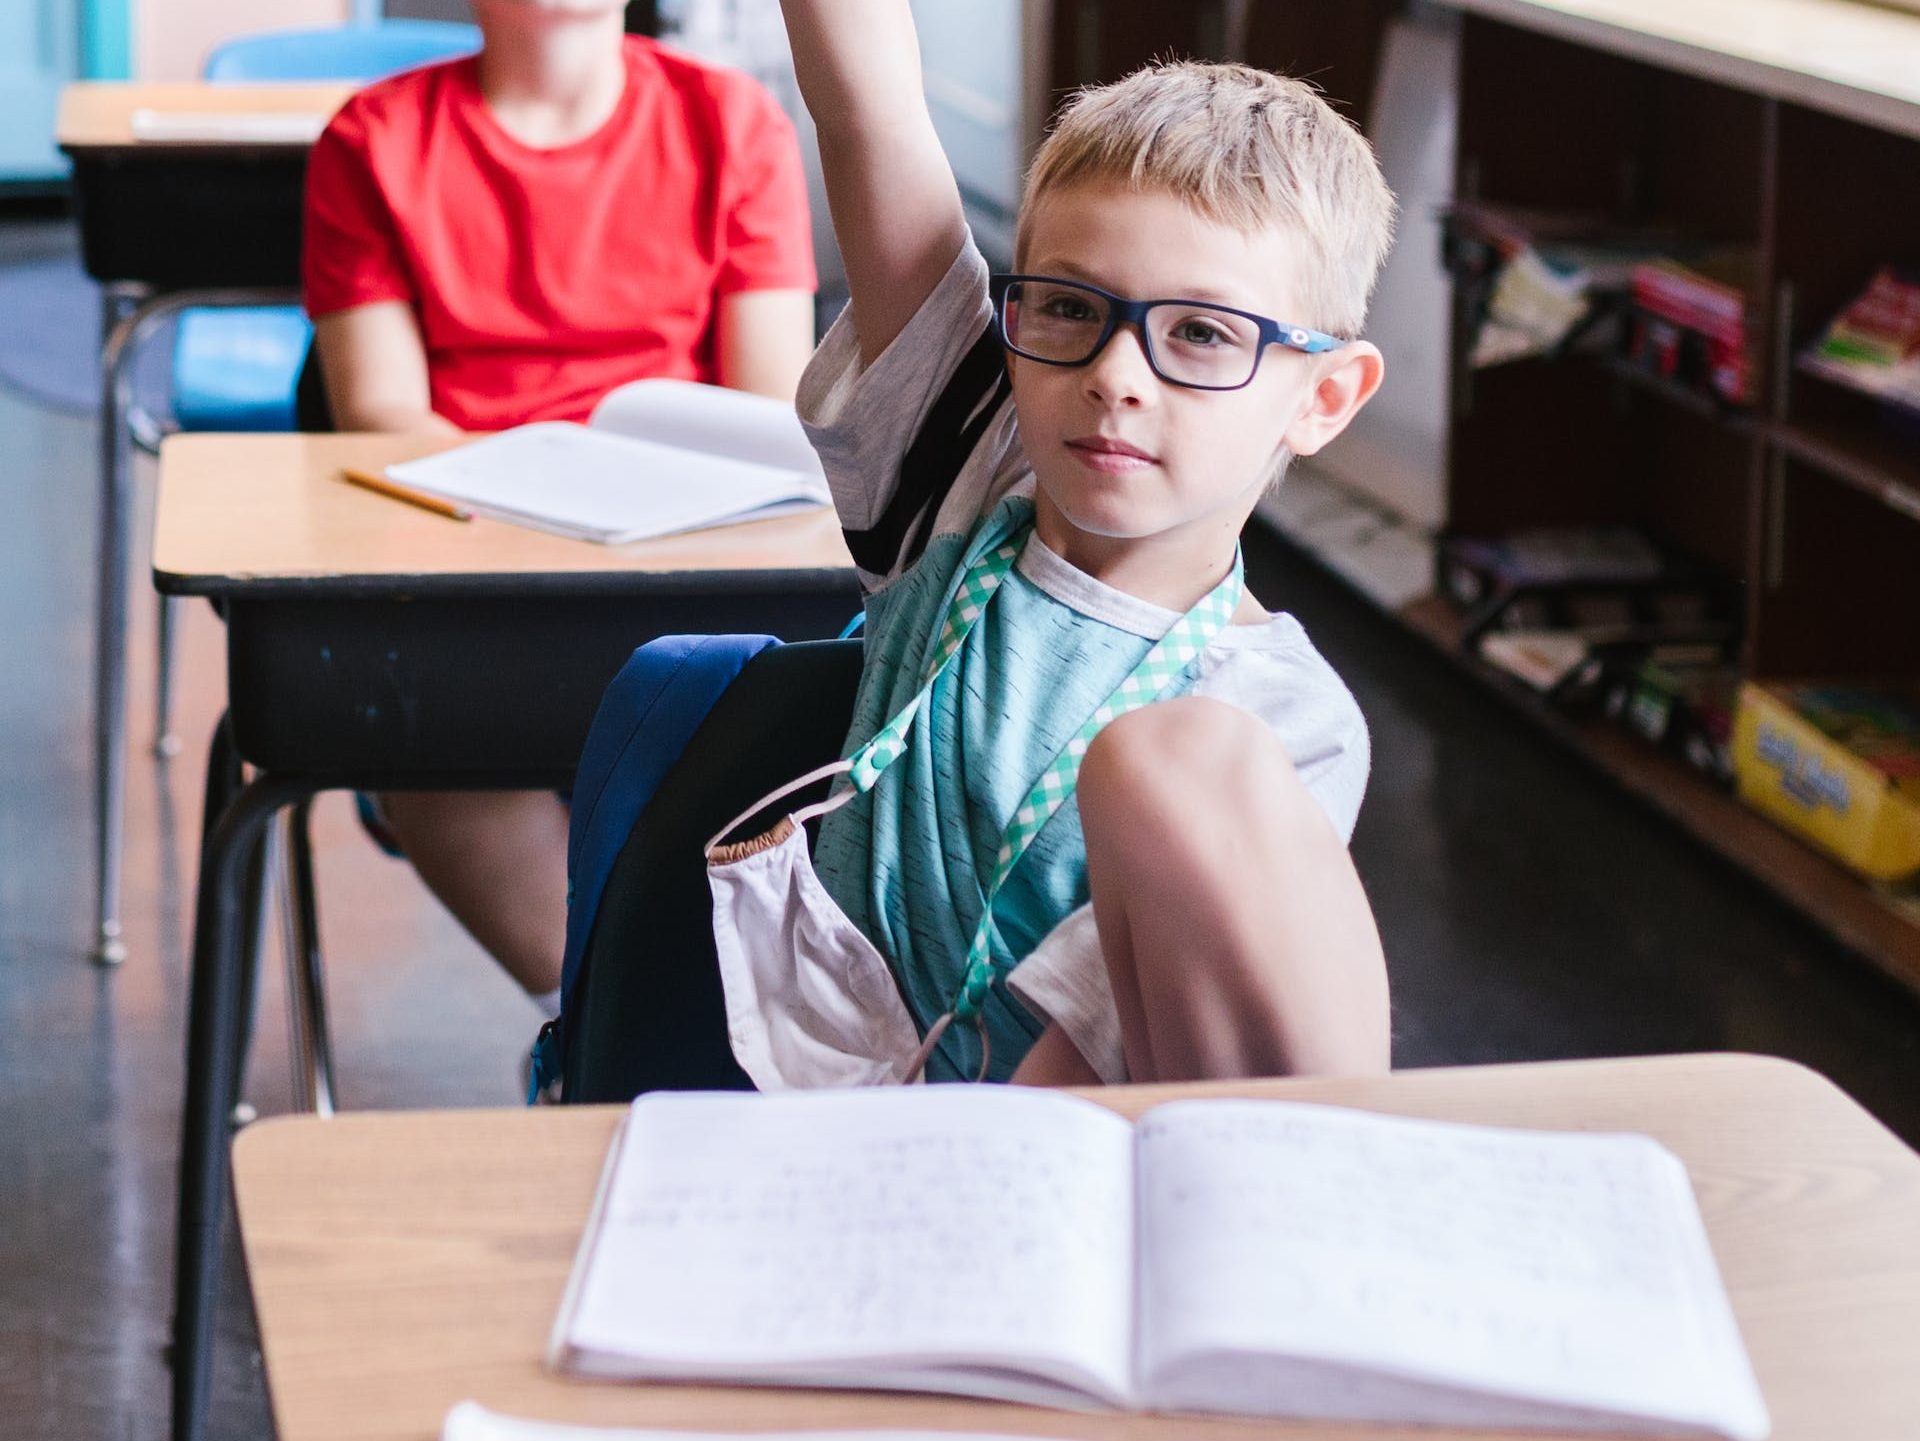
909	862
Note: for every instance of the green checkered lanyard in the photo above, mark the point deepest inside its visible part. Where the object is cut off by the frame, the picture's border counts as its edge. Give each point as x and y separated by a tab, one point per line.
1148	682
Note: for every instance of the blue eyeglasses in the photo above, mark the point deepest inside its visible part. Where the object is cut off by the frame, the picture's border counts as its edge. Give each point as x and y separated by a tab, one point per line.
1190	343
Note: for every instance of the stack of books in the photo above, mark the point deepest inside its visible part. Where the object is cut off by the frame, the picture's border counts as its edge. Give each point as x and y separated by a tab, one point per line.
1691	324
1873	345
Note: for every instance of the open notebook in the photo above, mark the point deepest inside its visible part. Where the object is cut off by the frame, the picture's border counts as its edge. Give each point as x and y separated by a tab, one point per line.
1256	1258
656	457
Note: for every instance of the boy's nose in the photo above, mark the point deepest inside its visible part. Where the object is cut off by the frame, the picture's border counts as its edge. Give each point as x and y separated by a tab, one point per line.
1119	374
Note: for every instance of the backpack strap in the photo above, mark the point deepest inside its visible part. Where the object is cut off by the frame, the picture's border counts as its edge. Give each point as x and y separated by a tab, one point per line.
956	420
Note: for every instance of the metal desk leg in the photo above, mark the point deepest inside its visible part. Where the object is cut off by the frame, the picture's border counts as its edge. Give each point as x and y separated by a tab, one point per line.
166	741
123	341
213	1043
306	985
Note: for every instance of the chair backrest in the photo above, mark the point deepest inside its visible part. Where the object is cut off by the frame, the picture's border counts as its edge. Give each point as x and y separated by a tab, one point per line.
341	52
692	731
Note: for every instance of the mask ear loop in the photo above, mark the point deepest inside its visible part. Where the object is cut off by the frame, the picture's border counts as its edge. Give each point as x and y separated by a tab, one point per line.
917	1066
799	817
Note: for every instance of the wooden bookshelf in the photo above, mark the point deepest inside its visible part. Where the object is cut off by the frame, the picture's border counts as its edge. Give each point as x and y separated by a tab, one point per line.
1809	503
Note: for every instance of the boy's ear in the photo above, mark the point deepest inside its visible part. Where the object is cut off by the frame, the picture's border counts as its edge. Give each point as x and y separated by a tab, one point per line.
1345	380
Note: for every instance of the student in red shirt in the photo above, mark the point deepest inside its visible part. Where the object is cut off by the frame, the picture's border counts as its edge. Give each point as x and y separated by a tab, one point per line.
506	237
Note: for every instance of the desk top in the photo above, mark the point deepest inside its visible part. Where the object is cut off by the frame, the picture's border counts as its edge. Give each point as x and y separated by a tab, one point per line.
1845	57
270	515
406	1261
98	114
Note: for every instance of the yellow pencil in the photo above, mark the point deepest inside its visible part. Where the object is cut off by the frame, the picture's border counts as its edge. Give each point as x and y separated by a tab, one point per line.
380	483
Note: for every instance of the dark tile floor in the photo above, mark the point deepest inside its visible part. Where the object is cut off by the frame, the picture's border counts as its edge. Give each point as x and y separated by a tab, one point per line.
1529	910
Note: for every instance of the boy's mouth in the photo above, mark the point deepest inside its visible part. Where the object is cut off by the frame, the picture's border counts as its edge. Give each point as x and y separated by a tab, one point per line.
1107	454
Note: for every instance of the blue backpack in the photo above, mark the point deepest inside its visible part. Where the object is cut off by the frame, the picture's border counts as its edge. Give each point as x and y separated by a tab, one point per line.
645	719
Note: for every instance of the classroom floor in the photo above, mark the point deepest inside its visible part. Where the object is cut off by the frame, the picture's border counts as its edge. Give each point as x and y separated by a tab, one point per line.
1530	911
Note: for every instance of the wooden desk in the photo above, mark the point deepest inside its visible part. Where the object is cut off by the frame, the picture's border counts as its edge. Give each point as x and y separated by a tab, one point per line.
374	645
165	227
404	1262
269	514
98	114
181	215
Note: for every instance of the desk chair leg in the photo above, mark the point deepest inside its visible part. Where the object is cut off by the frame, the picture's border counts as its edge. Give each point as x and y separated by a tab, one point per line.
166	743
129	329
306	984
213	1027
263	864
226	777
110	632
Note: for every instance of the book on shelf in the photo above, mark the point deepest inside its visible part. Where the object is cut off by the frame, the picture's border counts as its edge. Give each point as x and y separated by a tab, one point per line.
1692	323
1873	346
656	457
1551	279
1241	1257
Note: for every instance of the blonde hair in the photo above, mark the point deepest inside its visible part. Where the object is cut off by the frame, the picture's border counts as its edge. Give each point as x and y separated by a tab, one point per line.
1247	149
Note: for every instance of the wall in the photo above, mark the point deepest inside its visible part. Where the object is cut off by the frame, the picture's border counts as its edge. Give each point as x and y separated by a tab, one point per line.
172	37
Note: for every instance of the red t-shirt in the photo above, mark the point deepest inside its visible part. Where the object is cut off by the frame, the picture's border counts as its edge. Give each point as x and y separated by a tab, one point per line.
541	279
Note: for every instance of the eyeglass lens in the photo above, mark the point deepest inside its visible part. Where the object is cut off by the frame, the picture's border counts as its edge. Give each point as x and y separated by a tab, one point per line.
1189	344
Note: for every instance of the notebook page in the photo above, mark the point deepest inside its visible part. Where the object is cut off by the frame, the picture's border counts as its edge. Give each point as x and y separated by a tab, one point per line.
566	478
258	127
835	1237
710	418
1565	1268
470	1421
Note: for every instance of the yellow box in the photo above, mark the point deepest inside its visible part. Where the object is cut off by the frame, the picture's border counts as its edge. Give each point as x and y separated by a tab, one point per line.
1837	765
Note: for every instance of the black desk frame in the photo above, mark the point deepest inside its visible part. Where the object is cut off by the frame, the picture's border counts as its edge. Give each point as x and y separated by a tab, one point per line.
397	683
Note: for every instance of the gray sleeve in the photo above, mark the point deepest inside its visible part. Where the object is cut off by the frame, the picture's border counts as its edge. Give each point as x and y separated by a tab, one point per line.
1063	981
862	418
1311	712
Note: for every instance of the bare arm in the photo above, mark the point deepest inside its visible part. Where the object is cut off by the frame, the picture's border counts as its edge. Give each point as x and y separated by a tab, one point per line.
896	209
375	367
765	339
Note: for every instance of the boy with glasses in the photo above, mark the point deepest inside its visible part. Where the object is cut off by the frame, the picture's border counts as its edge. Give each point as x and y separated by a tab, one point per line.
1093	823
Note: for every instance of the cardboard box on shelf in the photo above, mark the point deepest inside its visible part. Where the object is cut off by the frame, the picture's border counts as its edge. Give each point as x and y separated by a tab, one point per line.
1838	765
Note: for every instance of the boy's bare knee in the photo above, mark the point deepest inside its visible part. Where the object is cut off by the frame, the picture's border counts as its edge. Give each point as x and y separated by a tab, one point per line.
1183	752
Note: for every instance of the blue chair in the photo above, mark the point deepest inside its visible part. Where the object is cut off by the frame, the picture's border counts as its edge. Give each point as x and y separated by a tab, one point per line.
340	52
238	368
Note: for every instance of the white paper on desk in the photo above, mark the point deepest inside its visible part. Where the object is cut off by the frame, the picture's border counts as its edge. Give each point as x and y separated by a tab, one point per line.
590	483
262	127
470	1421
710	419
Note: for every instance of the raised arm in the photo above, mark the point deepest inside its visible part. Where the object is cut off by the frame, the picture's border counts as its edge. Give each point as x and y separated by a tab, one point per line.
896	209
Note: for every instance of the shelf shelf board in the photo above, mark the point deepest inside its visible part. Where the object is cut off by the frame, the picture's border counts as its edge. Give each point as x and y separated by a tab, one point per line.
1854	61
1686	397
1879	465
1840	903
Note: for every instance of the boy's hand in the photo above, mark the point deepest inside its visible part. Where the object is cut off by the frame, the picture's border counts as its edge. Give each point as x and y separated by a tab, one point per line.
896	209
